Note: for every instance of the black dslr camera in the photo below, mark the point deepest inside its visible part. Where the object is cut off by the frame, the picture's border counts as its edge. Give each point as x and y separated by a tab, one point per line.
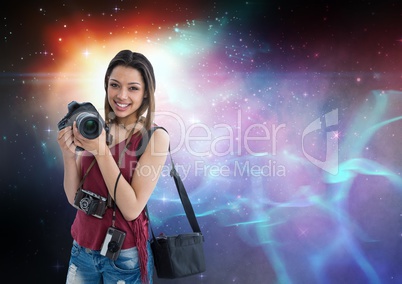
89	121
91	203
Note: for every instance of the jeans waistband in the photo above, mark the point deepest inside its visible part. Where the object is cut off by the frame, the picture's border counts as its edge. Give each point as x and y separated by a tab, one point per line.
87	250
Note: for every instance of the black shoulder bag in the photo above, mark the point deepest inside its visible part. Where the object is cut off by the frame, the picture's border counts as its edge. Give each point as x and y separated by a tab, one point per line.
180	255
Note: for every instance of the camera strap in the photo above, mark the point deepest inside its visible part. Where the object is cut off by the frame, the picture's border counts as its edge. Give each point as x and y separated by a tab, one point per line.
86	173
110	202
128	141
114	197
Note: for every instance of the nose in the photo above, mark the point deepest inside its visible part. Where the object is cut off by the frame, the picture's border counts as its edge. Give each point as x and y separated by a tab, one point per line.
123	94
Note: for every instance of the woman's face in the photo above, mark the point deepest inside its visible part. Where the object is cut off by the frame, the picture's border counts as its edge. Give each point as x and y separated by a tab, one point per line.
125	93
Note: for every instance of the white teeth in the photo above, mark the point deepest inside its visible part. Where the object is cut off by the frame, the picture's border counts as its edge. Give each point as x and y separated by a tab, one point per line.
122	105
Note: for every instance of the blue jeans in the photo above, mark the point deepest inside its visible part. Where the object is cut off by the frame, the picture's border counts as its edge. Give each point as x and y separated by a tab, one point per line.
90	267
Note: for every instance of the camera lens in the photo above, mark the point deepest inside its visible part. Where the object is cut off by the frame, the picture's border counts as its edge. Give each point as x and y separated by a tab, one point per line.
113	247
89	125
84	204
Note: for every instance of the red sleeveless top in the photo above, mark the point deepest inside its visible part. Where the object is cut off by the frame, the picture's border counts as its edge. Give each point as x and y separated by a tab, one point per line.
89	231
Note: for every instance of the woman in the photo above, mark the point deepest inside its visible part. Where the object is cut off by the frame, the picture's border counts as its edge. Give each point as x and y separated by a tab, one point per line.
130	88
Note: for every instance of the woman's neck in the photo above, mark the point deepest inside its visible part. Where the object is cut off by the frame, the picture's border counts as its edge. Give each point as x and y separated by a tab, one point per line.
127	124
121	132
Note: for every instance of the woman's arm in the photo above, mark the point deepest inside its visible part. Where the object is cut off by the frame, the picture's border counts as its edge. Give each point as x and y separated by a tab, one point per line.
71	163
72	178
132	198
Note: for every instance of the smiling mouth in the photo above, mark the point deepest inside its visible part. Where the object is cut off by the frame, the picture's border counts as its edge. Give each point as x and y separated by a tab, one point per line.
120	105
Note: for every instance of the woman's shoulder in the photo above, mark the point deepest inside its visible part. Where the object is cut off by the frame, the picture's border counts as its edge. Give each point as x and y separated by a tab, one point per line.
156	134
159	133
159	128
159	136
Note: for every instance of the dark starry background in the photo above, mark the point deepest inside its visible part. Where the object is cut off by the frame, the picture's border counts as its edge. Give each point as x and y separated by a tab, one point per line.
232	63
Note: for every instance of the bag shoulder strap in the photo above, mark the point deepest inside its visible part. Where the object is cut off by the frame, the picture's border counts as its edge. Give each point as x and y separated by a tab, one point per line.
188	208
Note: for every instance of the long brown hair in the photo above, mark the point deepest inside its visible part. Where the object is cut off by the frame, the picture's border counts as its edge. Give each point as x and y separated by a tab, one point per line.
137	61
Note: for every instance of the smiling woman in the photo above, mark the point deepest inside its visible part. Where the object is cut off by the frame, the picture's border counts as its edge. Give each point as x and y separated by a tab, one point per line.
121	227
123	95
130	89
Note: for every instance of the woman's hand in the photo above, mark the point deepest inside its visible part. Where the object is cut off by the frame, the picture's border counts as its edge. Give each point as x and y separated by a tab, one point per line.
95	146
72	166
65	139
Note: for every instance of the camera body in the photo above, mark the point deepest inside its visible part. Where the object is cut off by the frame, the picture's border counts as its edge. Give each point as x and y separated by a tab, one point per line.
91	203
89	121
113	242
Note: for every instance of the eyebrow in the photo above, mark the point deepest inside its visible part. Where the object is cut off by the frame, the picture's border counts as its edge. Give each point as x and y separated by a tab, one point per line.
130	83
